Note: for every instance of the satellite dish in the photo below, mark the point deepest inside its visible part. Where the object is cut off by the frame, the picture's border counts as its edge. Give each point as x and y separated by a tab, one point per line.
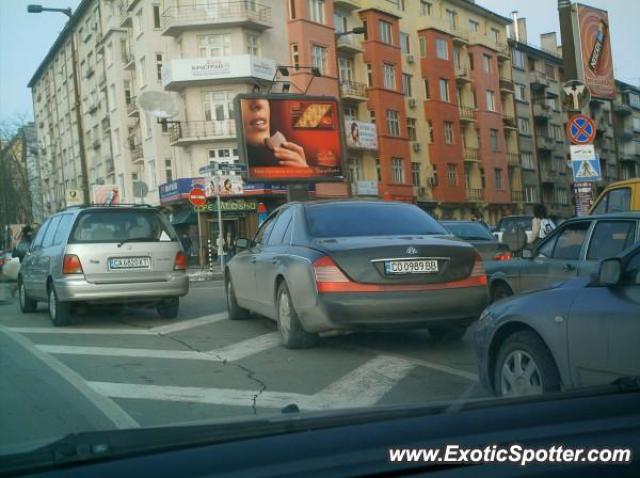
158	103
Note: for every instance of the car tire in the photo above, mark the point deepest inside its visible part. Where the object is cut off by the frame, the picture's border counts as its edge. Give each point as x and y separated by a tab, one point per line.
169	308
59	312
289	325
500	291
447	333
233	309
27	305
531	366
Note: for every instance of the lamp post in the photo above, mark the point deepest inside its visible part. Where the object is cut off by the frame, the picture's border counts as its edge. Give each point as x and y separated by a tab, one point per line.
76	91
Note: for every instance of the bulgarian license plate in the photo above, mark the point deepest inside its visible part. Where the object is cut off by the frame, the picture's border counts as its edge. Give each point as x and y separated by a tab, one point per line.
119	263
419	266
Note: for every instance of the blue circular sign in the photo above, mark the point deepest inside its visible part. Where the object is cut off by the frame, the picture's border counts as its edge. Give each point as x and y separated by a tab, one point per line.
581	129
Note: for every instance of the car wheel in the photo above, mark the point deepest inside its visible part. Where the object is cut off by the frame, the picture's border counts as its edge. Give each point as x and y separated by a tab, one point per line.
59	312
447	333
27	305
235	311
168	309
525	367
293	335
500	291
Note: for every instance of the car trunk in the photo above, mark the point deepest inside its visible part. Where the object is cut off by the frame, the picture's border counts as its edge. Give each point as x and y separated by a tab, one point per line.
488	249
363	259
95	259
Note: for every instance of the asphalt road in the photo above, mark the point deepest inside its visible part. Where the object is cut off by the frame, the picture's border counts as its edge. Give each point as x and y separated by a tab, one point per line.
129	368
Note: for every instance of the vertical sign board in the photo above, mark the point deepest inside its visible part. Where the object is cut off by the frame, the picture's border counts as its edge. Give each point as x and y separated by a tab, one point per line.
584	194
585	164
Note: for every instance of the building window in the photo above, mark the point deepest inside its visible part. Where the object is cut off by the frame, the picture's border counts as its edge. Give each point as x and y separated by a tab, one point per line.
524	126
474	26
549	71
168	170
389	76
634	100
498	178
156	16
159	66
636	124
483	179
415	175
405	43
316	11
393	123
153	179
137	24
116	142
350	113
253	44
372	116
444	90
295	55
215	45
369	75
406	84
112	96
496	35
527	160
385	32
143	75
423	47
531	194
556	132
430	131
448	132
397	170
452	174
426	89
451	19
493	140
491	101
521	92
411	129
340	21
486	63
319	58
442	49
519	59
425	7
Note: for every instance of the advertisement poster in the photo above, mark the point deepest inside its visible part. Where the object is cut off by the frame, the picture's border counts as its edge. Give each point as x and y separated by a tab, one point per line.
361	135
585	163
225	185
584	194
107	194
290	138
595	47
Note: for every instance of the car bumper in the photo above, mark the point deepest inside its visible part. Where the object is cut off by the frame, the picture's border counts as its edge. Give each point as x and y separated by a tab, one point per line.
392	310
78	289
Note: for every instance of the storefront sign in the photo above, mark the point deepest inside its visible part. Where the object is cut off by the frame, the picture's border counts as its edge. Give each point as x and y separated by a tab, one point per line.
217	68
229	205
361	135
367	188
179	189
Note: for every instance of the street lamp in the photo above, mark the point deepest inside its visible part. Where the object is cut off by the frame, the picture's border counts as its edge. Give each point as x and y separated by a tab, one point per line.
76	90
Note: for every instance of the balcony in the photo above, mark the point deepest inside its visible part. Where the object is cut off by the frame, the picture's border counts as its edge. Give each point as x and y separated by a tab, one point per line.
132	107
128	60
348	44
504	52
95	144
135	148
180	73
352	90
548	175
348	4
239	13
106	125
539	80
467	114
471	155
462	74
191	132
545	143
626	133
506	85
513	159
475	194
622	109
541	111
517	196
509	121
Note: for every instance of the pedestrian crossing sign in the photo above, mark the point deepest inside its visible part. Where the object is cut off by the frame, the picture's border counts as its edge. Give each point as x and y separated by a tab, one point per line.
585	164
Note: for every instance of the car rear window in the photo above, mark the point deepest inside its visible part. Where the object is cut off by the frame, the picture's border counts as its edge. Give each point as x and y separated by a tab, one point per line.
355	220
118	226
472	231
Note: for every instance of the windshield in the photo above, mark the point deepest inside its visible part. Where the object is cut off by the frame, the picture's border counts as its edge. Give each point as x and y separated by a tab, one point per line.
214	210
468	230
365	219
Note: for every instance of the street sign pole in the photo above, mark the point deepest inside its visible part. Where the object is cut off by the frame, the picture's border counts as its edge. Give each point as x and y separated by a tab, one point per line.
220	228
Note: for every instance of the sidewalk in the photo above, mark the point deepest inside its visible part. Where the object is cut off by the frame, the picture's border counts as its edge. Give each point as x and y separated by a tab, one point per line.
198	274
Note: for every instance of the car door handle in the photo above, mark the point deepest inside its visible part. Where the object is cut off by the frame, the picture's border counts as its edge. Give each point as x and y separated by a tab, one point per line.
568	268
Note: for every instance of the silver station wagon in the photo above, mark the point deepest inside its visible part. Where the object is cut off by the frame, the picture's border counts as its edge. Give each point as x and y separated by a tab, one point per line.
104	254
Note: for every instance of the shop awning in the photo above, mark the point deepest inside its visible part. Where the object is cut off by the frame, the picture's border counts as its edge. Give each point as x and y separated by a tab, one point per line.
184	217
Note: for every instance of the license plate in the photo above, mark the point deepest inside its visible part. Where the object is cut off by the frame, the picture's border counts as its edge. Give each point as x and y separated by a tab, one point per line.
118	263
421	266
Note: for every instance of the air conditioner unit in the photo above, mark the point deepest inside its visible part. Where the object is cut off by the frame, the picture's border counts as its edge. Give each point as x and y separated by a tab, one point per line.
412	102
417	147
410	59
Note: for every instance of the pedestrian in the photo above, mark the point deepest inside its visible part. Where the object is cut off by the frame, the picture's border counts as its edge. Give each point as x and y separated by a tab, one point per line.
541	225
477	217
187	244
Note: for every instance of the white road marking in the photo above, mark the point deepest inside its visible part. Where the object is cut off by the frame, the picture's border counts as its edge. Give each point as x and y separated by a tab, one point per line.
108	407
188	324
228	353
78	331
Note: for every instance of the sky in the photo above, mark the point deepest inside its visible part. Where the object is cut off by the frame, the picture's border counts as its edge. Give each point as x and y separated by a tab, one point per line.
25	39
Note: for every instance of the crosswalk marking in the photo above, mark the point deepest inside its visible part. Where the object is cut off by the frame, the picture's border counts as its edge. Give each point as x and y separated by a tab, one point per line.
78	331
243	349
188	324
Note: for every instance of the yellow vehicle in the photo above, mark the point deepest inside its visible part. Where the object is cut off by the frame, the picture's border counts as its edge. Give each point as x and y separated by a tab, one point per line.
622	196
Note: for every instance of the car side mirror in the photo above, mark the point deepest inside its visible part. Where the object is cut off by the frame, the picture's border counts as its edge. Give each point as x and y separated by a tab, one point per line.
610	272
243	244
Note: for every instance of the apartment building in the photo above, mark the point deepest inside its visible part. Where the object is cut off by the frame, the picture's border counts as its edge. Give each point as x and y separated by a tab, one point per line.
626	111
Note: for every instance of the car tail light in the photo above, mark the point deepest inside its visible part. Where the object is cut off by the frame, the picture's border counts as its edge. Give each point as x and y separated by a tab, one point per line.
71	264
478	270
328	275
503	256
181	262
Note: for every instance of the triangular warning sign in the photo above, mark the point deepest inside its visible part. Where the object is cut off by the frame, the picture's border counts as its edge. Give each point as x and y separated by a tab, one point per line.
586	170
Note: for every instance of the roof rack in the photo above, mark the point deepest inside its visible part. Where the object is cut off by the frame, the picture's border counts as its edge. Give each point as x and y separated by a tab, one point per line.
82	206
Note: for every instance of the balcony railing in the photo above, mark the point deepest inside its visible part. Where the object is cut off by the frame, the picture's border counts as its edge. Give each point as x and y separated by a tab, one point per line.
545	142
462	73
548	175
132	106
506	84
513	159
541	111
196	131
517	196
467	114
348	43
352	4
136	149
201	14
471	154
509	120
475	194
539	79
353	88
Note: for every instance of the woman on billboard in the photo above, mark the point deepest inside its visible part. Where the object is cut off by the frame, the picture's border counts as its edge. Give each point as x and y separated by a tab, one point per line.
263	148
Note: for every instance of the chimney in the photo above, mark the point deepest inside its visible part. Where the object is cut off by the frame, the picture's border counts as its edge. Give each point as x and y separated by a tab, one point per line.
549	42
522	30
514	25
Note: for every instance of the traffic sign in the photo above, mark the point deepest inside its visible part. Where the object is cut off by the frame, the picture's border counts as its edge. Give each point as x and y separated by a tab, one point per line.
198	197
238	167
575	95
581	129
585	164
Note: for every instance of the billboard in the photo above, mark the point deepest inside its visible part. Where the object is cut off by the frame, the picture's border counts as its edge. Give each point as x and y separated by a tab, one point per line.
106	194
595	51
225	185
290	138
361	135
